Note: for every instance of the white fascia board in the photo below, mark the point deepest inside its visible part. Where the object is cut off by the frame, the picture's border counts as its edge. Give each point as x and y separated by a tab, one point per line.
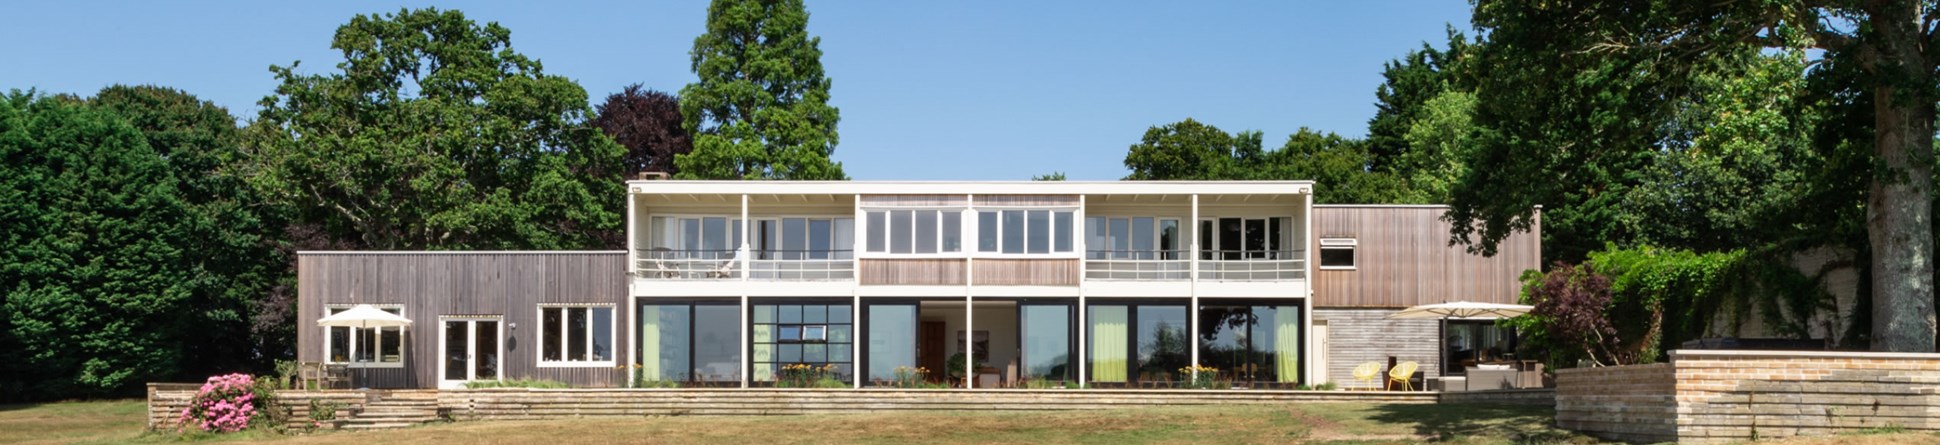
973	187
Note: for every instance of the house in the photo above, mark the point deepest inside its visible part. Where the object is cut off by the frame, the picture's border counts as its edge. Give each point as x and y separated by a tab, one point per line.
1100	284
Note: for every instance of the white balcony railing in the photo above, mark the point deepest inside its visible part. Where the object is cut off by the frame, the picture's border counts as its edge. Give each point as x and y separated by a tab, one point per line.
776	265
1144	265
1215	265
1253	265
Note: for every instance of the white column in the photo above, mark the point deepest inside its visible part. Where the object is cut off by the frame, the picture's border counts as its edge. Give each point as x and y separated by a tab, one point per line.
1081	352
742	252
969	312
1307	281
856	373
1192	308
632	308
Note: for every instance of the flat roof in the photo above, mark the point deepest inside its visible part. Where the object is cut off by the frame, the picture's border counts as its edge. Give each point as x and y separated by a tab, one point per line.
973	187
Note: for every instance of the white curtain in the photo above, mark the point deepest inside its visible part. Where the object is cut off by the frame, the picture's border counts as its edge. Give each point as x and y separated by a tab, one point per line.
1109	343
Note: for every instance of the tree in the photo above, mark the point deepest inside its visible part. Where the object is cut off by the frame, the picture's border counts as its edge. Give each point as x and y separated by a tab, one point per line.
1052	176
96	255
1572	90
648	124
1189	150
1439	140
435	134
760	109
1408	84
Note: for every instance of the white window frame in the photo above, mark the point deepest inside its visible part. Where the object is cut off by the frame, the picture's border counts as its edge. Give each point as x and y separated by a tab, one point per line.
1273	244
679	236
613	339
972	229
965	228
781	237
1181	250
1349	244
403	342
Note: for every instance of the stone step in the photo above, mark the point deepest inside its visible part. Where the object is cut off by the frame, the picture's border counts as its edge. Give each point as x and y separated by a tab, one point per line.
377	426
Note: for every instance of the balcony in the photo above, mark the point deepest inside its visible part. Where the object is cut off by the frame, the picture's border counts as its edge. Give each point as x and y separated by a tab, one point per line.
1215	265
765	265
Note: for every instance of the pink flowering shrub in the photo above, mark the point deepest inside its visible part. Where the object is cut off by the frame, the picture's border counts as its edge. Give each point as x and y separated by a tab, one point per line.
227	404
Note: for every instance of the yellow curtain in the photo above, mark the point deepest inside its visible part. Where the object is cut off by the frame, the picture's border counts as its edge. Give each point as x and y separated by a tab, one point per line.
1286	344
650	342
1109	343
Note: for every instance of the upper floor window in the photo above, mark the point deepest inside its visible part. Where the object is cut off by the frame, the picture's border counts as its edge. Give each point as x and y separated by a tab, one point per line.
1025	231
1267	238
1337	253
1132	238
924	231
697	237
381	347
803	238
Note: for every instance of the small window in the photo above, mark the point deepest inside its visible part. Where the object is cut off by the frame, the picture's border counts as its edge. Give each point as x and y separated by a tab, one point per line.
1337	253
575	335
375	347
815	333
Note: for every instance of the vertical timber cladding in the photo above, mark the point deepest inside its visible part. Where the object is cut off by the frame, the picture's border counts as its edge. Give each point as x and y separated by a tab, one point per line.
1403	258
433	284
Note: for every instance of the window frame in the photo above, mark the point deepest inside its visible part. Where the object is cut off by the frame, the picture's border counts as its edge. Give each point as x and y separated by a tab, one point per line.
965	230
973	225
613	336
1179	251
1352	245
403	342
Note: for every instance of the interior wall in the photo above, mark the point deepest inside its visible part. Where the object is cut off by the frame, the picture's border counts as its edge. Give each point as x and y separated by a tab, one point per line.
1001	321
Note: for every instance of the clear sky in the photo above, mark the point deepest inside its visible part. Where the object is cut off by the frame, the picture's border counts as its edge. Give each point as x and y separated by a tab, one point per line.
928	90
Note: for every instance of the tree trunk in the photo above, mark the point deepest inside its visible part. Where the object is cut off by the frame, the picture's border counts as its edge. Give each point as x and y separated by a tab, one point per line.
1899	222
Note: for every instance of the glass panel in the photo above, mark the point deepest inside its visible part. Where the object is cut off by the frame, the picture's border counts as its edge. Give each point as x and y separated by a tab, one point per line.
366	347
789	353
339	344
602	334
815	314
818	239
690	234
1223	335
1013	232
551	326
576	344
1110	343
1047	342
734	227
839	333
1095	238
717	352
663	341
485	333
986	231
457	345
1038	234
1162	342
789	333
844	239
770	238
952	231
764	333
714	236
878	227
839	313
926	229
900	223
815	353
1337	257
664	233
1286	344
794	238
1142	237
839	352
764	313
791	314
1169	239
1206	245
892	339
1256	238
1229	238
1061	225
1121	238
1274	237
390	343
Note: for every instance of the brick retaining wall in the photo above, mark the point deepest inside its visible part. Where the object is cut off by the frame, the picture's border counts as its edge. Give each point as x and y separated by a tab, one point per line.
1717	396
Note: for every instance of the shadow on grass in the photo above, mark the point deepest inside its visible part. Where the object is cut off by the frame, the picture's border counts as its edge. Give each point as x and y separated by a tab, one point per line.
1446	422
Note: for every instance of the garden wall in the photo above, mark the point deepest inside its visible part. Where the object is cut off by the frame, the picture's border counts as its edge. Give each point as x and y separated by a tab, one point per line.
1717	396
167	400
1544	397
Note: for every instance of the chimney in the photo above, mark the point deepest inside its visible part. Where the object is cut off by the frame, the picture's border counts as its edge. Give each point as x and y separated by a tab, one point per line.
653	176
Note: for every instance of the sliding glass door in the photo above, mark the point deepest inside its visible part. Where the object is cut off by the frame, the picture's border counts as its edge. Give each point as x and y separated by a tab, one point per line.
1252	344
891	339
1046	332
689	344
1142	344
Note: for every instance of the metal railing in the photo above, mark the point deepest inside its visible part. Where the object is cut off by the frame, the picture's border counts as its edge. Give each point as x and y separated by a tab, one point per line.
1215	265
1138	265
780	265
1252	265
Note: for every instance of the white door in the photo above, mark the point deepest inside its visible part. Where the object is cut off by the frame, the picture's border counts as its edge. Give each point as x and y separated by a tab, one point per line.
471	351
1319	352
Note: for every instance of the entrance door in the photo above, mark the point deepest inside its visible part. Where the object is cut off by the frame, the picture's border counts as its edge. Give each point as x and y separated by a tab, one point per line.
471	351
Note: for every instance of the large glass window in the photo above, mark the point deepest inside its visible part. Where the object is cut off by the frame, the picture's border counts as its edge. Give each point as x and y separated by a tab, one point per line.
1256	345
697	237
1246	238
810	334
914	231
571	335
1138	344
892	340
1467	343
692	343
1026	231
806	238
365	346
1135	238
1046	341
1110	334
1163	342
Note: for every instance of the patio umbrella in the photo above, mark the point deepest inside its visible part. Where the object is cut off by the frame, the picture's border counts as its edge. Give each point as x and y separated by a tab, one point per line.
1463	310
363	316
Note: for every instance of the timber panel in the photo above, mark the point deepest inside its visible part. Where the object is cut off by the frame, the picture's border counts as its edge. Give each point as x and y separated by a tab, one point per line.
1027	200
429	285
915	200
948	271
1404	259
1016	272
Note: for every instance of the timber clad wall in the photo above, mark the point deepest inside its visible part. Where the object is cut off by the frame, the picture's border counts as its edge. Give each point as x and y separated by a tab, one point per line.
1403	259
1002	272
1356	336
912	272
1729	396
433	284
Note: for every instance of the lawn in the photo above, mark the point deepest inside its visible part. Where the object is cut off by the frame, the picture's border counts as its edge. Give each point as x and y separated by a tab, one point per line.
120	422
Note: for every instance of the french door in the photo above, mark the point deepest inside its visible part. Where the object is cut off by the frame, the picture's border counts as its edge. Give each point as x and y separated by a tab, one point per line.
471	350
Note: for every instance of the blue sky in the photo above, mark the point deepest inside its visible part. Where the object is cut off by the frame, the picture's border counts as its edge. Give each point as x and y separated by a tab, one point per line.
928	90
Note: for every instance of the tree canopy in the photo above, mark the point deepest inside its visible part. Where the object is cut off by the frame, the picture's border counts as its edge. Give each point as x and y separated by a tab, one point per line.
760	108
648	124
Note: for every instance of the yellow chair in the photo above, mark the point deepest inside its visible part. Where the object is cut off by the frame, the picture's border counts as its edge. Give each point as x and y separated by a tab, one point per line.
1367	372
1403	373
